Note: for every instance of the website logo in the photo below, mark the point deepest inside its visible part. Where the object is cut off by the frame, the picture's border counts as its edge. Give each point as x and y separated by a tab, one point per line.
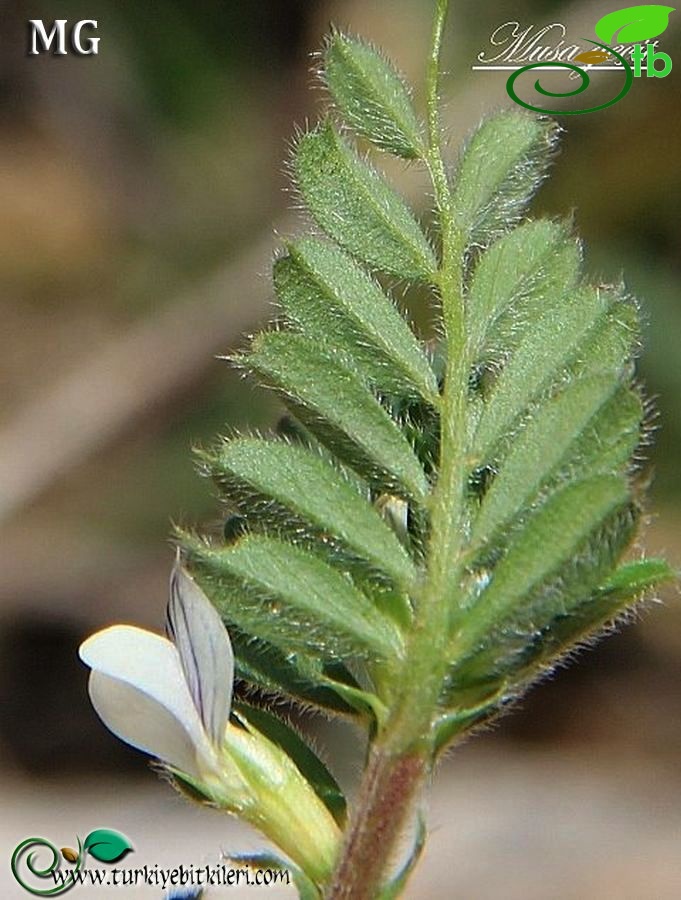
627	42
29	860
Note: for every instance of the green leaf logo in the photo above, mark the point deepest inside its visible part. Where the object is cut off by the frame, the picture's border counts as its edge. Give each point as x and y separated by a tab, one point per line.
635	23
107	845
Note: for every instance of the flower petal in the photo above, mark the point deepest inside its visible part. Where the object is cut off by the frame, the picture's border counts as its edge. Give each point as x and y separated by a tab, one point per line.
139	691
140	721
205	651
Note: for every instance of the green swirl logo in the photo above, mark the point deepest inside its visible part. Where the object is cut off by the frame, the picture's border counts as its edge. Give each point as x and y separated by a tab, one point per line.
29	860
32	846
585	81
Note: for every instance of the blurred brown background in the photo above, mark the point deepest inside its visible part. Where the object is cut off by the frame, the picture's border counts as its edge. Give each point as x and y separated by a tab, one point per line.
139	191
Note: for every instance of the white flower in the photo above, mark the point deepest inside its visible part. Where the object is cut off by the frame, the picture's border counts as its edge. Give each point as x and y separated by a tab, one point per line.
171	698
168	697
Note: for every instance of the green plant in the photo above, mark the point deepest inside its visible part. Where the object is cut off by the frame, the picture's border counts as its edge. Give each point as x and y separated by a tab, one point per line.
429	532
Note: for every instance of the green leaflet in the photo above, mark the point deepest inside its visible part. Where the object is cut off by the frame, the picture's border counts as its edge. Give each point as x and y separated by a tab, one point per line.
550	441
334	301
273	673
421	425
297	599
562	555
502	166
560	634
293	431
591	614
550	539
371	96
609	442
450	724
633	579
309	764
514	277
626	586
312	493
337	407
614	338
557	341
355	206
302	678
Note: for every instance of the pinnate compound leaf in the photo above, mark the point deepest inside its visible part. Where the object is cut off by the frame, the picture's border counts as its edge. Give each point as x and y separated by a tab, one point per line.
372	97
333	300
356	207
331	400
311	493
633	24
502	166
298	600
326	571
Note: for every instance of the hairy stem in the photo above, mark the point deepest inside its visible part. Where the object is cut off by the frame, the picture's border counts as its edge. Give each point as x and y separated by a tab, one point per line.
383	805
401	757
